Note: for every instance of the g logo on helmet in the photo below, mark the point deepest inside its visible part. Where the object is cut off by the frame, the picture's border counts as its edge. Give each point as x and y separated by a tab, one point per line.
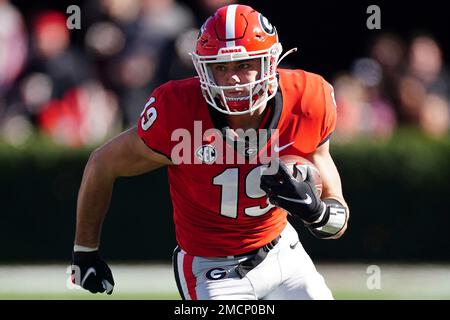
216	274
266	25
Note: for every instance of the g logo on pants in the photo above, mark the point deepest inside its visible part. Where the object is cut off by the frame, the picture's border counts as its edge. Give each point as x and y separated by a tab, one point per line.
216	273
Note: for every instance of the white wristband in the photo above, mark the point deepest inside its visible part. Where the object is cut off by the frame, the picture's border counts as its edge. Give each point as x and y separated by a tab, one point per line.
336	221
78	248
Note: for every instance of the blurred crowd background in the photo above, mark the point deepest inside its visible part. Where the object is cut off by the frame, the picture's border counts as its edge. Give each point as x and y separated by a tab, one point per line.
79	87
64	91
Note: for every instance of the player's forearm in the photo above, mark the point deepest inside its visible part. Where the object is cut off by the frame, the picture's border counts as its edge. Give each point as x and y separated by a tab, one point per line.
93	201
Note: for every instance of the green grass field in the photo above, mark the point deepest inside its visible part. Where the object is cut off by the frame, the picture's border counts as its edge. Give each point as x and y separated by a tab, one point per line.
156	282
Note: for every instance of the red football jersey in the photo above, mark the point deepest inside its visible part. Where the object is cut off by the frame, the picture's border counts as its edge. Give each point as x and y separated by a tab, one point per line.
219	209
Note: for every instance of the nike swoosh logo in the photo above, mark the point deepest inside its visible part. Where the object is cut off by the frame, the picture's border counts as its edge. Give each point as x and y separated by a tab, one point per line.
88	273
276	148
293	245
308	199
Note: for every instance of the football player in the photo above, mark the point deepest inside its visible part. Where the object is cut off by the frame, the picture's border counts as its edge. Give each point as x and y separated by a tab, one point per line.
230	213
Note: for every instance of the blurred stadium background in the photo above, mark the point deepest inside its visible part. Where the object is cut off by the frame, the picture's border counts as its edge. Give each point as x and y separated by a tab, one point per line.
63	92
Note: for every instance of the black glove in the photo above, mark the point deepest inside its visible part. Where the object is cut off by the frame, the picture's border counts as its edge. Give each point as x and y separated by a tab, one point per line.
91	273
299	198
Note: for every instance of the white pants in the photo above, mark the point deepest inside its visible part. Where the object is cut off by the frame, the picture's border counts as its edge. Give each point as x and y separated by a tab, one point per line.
286	273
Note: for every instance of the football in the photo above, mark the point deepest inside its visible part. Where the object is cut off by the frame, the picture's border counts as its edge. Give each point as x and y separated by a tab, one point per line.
298	166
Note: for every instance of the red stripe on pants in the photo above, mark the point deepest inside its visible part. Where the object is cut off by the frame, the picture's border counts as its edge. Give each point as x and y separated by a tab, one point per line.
189	276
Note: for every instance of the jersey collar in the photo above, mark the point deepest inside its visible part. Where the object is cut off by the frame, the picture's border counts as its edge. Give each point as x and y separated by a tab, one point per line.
270	122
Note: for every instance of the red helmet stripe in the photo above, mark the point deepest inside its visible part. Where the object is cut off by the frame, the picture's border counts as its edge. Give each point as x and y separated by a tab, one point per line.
230	31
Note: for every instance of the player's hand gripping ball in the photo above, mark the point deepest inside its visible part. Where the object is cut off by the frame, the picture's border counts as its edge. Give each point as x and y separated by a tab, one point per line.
298	167
295	187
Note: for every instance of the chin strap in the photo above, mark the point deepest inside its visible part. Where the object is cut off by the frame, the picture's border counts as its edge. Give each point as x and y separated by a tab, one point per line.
285	54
